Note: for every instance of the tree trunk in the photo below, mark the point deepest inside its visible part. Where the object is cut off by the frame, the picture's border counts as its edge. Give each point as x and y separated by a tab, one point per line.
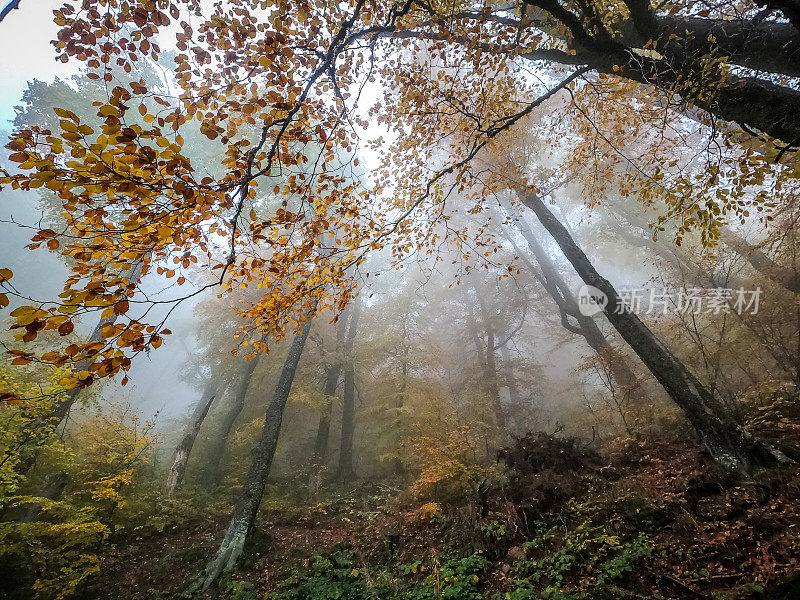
234	409
184	448
397	463
559	291
753	102
767	46
329	391
490	366
345	470
509	378
758	259
244	513
726	440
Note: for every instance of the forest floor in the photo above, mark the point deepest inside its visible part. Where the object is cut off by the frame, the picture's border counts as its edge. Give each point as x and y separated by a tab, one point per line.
639	520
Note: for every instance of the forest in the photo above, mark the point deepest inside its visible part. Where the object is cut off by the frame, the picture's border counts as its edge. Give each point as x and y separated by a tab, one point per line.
400	299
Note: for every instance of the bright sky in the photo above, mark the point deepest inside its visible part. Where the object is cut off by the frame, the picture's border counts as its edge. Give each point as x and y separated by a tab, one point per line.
26	52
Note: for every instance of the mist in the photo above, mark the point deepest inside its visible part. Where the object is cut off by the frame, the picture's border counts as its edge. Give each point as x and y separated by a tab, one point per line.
399	300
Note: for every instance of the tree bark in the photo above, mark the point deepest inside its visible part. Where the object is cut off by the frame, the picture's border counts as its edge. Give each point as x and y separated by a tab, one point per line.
234	409
490	365
244	513
345	470
329	391
728	442
559	291
756	103
766	46
750	101
181	457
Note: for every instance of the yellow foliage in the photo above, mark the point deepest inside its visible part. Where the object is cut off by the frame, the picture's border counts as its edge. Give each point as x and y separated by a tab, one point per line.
449	464
427	511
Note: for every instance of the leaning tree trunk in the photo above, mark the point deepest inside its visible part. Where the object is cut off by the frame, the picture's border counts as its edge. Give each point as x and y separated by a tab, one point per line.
244	513
232	412
559	291
759	260
184	448
345	470
728	442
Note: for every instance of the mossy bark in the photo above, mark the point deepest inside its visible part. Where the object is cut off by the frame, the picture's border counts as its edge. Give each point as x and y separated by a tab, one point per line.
244	513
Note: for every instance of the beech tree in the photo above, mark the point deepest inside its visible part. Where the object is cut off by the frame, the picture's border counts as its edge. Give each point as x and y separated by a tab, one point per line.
345	468
727	441
332	376
571	317
231	411
244	513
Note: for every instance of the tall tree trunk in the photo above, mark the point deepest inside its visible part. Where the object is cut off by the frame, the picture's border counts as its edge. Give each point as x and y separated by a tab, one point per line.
244	513
181	457
345	470
213	471
559	291
509	378
329	391
334	370
490	365
726	440
397	463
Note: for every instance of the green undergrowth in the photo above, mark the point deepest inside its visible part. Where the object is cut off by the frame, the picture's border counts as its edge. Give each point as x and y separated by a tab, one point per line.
590	550
339	575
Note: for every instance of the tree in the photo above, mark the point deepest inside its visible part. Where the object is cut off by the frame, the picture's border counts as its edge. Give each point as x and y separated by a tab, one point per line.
488	359
345	469
232	409
81	371
184	448
332	373
725	439
244	513
568	308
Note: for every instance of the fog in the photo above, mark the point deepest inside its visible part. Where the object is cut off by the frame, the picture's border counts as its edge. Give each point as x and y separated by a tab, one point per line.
464	303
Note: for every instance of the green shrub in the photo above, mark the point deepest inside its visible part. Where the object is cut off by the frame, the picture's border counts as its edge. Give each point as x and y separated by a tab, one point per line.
456	579
331	577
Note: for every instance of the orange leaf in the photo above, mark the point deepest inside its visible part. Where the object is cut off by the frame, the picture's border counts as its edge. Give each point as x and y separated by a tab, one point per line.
121	307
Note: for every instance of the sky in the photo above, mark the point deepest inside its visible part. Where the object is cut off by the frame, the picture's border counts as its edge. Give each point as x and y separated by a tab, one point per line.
26	52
